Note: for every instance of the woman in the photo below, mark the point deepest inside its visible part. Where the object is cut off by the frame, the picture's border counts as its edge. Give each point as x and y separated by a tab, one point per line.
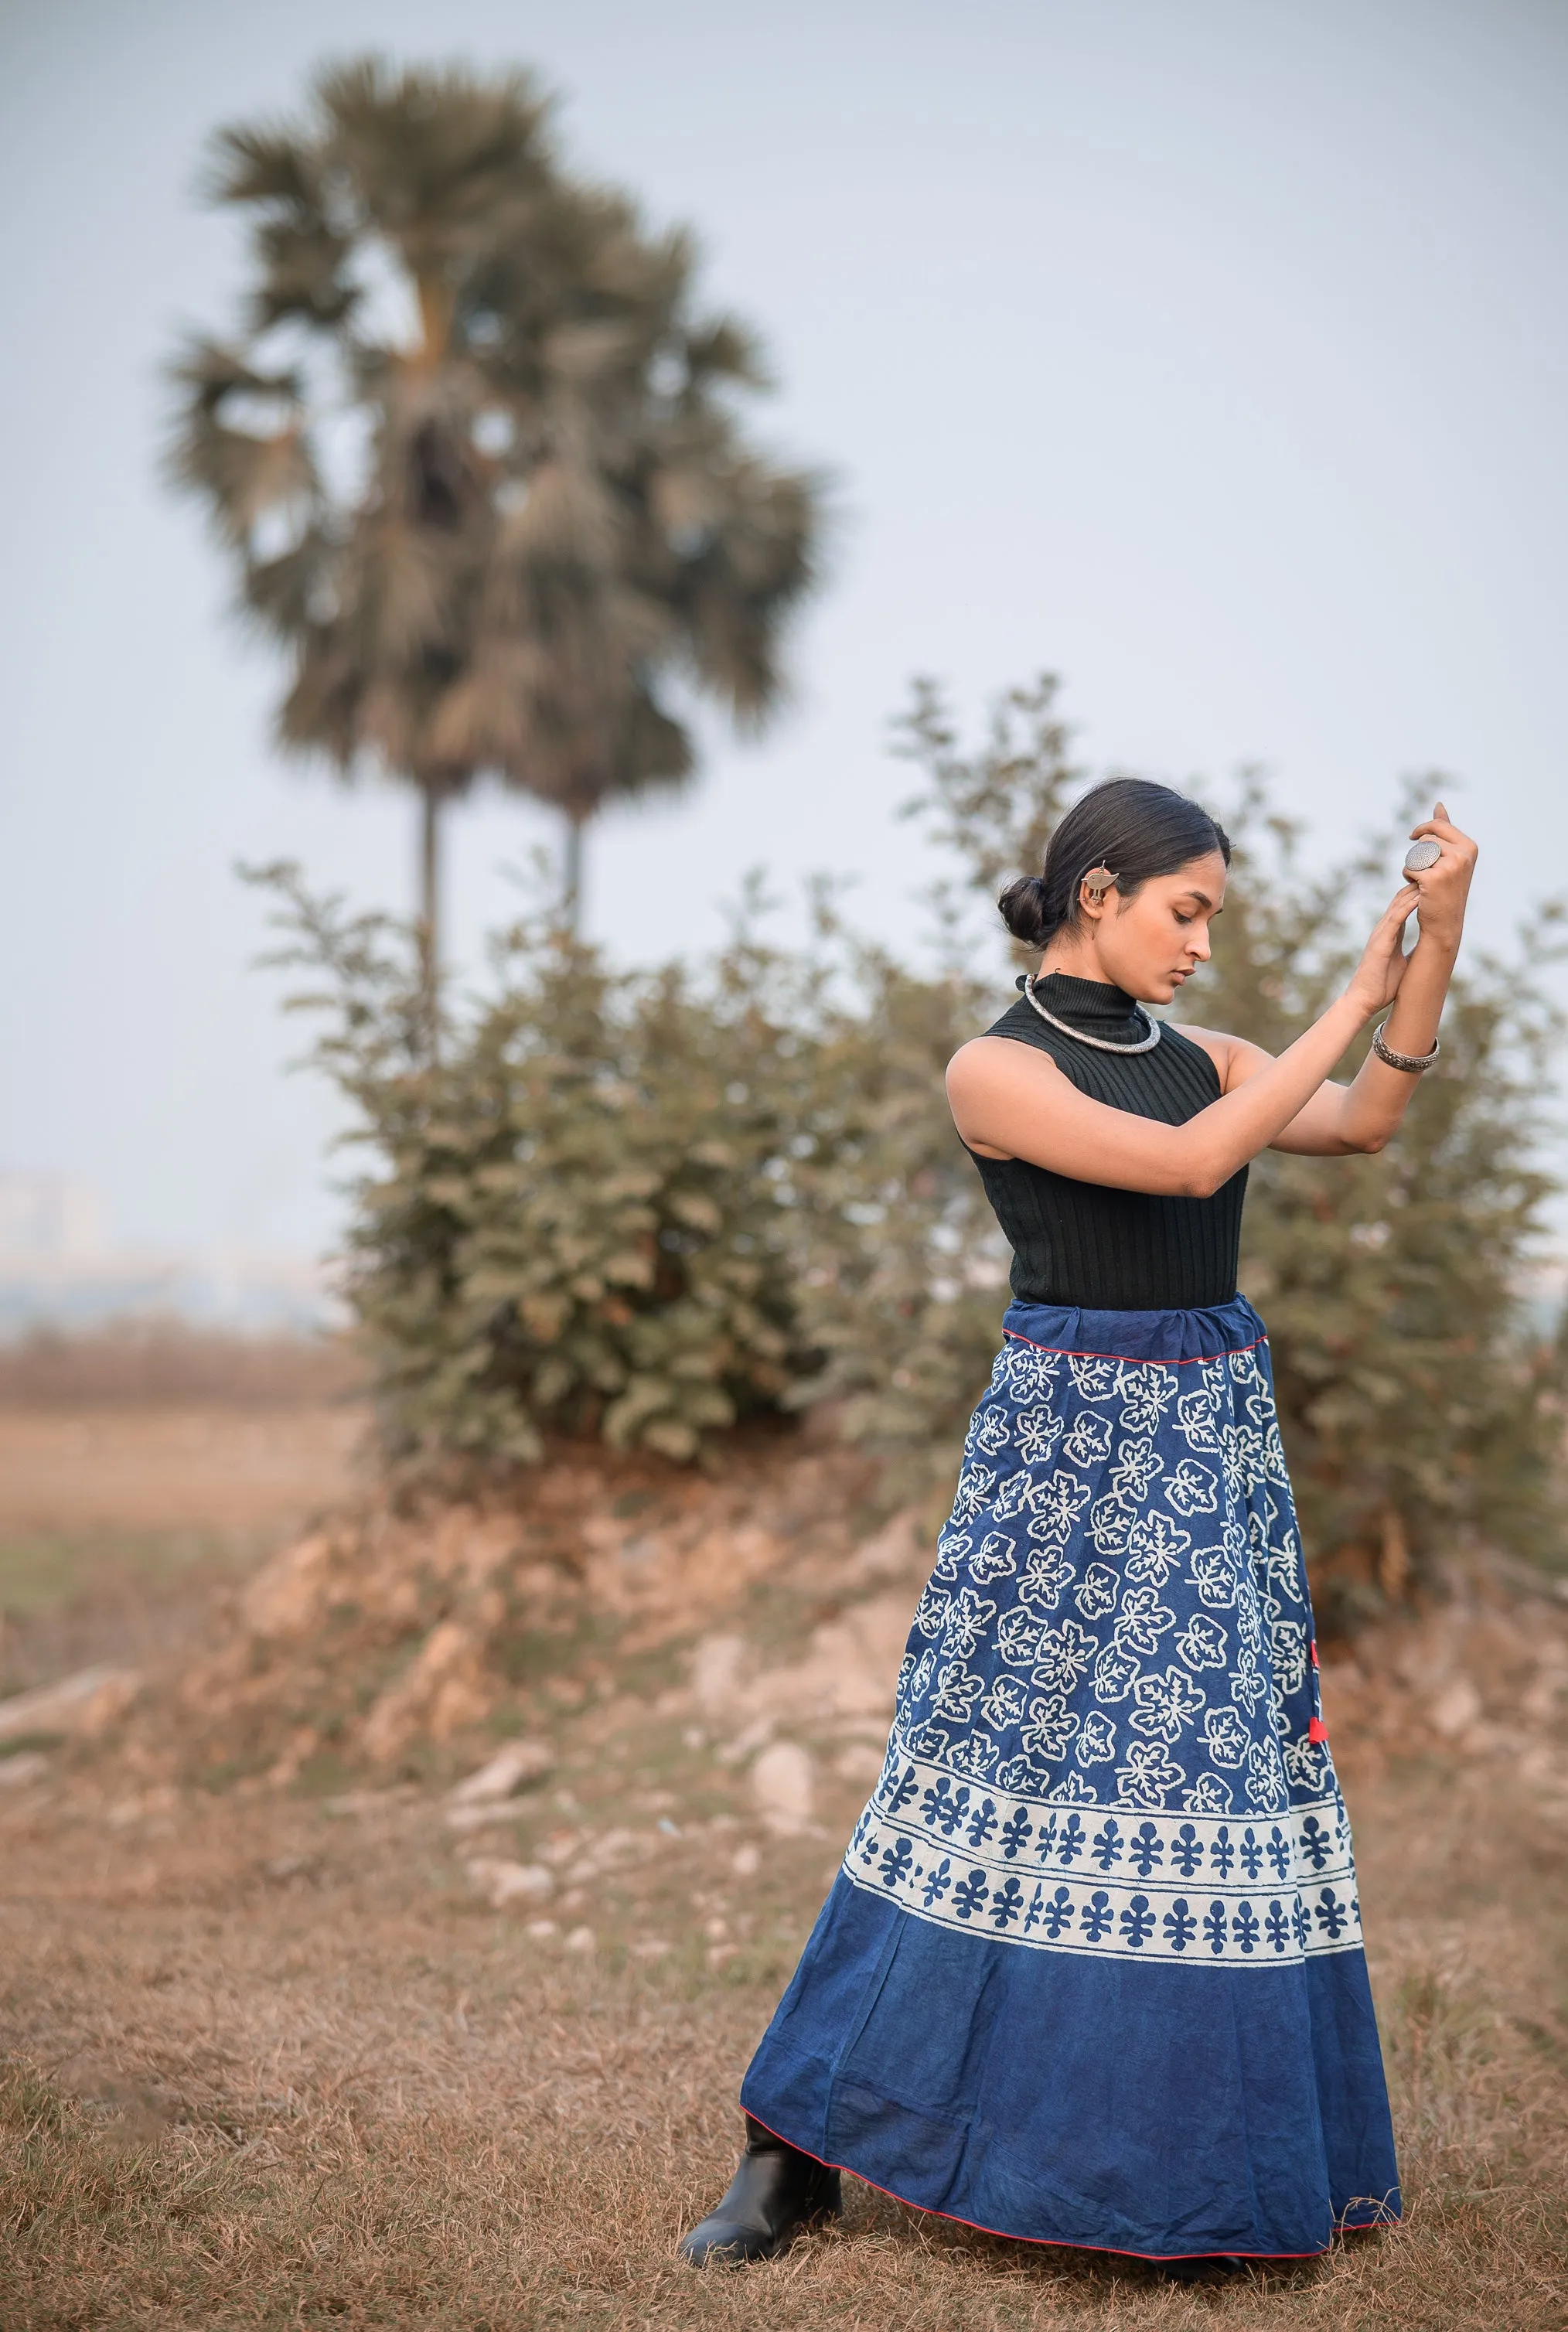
1092	1971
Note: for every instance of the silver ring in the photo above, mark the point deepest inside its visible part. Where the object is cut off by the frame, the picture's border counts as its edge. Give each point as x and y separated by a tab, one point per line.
1422	854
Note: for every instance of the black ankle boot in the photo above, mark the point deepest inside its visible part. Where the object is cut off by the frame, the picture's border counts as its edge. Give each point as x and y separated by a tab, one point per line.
775	2190
1211	2267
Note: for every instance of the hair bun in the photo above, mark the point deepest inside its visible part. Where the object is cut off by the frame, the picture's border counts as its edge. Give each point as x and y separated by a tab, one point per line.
1023	908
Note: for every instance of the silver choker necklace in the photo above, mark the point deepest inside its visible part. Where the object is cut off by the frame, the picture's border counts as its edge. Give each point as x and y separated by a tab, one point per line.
1101	1044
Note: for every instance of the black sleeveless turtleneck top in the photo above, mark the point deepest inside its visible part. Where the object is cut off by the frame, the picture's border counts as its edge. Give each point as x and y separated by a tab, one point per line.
1086	1244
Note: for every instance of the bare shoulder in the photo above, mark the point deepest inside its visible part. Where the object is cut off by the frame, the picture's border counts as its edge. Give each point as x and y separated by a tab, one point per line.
984	1059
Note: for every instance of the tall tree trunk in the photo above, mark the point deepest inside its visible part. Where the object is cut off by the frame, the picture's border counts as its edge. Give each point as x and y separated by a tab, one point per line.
430	908
572	875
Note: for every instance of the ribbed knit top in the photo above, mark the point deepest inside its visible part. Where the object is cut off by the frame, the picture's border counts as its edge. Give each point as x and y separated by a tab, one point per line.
1084	1243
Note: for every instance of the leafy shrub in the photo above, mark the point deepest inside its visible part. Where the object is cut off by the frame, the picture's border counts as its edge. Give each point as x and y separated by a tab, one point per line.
646	1207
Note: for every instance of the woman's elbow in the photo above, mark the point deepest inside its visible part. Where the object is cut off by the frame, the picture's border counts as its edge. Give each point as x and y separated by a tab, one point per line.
1199	1179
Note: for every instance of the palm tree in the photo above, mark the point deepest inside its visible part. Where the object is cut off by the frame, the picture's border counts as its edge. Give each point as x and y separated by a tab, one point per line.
476	455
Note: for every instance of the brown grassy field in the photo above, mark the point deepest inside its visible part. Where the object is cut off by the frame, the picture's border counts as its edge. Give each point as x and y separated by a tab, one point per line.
272	2058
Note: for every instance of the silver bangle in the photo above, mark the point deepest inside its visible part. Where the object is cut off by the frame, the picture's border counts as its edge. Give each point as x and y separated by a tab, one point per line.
1411	1063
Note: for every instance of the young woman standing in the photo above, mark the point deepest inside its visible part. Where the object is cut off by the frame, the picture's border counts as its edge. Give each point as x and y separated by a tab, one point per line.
1092	1971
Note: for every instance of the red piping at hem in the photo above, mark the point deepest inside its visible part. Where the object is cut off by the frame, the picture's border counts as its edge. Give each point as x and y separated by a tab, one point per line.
1072	1352
1055	2242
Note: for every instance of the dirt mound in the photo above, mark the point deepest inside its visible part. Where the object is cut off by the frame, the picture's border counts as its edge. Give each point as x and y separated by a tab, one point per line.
767	1604
377	1640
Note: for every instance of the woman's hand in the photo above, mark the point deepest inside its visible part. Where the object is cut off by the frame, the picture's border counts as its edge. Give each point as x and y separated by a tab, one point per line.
1376	978
1445	887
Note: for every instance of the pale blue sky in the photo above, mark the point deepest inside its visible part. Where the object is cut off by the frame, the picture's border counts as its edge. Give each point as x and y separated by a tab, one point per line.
1213	355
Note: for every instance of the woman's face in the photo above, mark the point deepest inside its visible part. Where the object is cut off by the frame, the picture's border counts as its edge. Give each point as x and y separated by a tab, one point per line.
1152	944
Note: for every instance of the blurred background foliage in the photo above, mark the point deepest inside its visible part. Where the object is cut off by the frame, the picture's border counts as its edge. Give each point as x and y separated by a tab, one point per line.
477	455
643	1207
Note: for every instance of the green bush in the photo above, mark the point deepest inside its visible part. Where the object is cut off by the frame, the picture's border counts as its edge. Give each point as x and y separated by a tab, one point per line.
644	1206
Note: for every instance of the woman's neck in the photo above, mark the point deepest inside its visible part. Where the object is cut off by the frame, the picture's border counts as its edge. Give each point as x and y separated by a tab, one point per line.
1076	964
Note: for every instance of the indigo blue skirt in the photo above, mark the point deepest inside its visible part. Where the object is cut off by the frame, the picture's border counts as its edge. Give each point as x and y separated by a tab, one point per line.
1092	1970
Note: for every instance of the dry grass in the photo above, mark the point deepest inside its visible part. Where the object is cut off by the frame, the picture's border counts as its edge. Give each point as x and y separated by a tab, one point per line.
152	1362
276	2065
271	2060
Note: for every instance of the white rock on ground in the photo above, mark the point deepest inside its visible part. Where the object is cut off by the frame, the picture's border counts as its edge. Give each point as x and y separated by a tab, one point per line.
502	1883
87	1702
27	1765
781	1784
507	1770
1456	1708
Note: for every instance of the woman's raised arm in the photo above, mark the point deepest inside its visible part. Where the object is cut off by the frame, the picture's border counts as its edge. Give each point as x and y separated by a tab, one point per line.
1010	1100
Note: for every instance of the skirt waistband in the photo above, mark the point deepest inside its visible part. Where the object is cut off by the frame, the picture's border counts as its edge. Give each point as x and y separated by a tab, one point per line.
1171	1337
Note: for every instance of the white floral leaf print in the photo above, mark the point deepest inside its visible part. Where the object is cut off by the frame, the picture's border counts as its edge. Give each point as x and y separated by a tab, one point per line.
1094	1378
950	1548
1154	1549
956	1693
1288	1653
1149	1775
1039	1432
1226	1737
1031	1376
975	1755
1117	1671
1044	1577
1013	1495
965	1625
1097	1741
1191	1489
1202	1642
1063	1654
931	1612
1208	1795
1281	1566
1138	1465
1248	1688
1020	1636
1050	1728
1213	1574
1089	1442
995	1559
1248	1617
1072	1791
1097	1595
1146	1392
1305	1763
1004	1704
1166	1705
975	1484
989	1429
1057	1504
1198	1419
1141	1620
1111	1525
1265	1777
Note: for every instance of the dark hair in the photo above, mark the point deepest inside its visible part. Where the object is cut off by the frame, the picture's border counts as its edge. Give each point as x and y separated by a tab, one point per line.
1130	825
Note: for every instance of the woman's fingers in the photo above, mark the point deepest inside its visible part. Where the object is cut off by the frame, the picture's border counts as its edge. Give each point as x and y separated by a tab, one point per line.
1441	828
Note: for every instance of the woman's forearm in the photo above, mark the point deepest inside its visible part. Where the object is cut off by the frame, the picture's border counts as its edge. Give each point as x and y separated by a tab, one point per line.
1377	1097
1212	1146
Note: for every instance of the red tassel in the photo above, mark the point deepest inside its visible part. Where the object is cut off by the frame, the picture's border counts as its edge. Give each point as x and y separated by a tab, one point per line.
1317	1730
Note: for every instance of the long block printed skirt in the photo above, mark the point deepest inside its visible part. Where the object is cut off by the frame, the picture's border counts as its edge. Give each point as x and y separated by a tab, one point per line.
1092	1970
